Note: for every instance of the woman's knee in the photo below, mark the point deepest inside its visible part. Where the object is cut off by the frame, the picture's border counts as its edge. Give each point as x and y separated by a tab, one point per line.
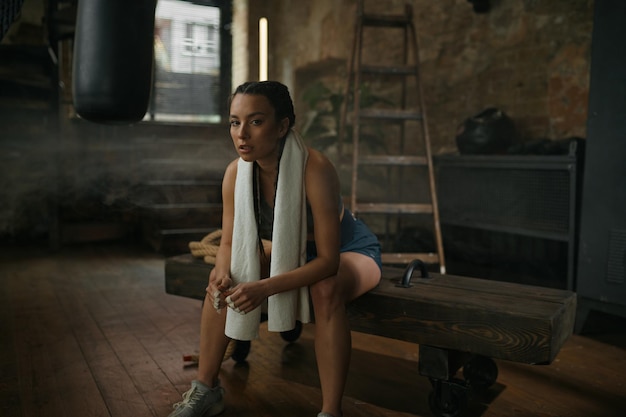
326	294
212	275
325	289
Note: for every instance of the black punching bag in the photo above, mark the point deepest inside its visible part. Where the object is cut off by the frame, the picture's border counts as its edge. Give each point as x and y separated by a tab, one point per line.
113	54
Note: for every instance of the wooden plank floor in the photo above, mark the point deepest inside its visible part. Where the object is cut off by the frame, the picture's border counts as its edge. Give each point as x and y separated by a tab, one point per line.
90	331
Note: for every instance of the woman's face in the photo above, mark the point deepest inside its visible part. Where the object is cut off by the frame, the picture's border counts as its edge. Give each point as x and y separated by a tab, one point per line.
253	127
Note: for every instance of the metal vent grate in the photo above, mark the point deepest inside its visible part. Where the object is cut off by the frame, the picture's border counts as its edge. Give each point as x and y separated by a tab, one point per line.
527	199
616	269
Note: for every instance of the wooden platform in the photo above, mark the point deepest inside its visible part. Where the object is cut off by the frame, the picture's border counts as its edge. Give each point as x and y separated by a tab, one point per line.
90	330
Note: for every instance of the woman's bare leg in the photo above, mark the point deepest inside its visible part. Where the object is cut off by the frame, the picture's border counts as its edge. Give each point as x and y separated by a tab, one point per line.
213	342
357	274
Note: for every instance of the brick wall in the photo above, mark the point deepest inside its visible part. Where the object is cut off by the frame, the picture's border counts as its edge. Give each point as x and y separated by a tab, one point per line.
529	58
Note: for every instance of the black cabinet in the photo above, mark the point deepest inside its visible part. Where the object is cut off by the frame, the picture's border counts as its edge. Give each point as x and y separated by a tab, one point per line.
601	273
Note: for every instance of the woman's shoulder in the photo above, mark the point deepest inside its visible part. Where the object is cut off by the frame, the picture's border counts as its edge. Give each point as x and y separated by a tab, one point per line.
232	165
231	171
320	169
318	160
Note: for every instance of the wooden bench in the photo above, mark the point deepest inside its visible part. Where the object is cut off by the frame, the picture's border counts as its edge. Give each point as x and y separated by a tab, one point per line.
458	322
186	276
465	322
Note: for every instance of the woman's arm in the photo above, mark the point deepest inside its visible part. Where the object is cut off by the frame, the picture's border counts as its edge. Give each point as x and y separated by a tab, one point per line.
222	280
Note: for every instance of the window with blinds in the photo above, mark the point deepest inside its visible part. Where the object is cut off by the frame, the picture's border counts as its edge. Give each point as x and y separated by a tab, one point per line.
191	61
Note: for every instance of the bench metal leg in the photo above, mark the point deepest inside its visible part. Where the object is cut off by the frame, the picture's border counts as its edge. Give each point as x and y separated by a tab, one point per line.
450	394
448	398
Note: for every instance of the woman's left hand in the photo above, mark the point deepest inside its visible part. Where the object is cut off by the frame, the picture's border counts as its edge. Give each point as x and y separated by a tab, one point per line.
245	297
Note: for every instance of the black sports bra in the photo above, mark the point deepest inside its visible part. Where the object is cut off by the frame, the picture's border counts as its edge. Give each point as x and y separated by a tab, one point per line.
267	220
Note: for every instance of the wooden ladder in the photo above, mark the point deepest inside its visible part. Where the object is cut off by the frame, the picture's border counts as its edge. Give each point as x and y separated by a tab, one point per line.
404	118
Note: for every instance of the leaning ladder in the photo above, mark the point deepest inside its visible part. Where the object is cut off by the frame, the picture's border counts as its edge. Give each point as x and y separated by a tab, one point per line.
411	148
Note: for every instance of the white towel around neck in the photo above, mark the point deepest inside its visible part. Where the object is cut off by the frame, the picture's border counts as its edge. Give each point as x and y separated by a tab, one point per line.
288	243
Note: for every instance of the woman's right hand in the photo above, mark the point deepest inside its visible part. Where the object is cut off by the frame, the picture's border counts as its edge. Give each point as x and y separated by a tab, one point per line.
216	290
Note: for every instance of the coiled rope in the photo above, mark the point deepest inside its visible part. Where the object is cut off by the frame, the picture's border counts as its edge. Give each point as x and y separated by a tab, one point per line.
207	247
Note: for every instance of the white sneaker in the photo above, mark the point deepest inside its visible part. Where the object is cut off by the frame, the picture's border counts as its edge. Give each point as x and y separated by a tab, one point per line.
200	401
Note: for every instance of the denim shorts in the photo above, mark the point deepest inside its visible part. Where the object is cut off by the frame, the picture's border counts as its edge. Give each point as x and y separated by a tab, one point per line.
355	237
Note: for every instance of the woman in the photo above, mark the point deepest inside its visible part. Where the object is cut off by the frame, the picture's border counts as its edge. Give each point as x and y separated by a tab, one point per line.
342	255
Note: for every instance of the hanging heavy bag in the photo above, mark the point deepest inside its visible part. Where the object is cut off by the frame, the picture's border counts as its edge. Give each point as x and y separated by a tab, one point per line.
487	133
113	54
